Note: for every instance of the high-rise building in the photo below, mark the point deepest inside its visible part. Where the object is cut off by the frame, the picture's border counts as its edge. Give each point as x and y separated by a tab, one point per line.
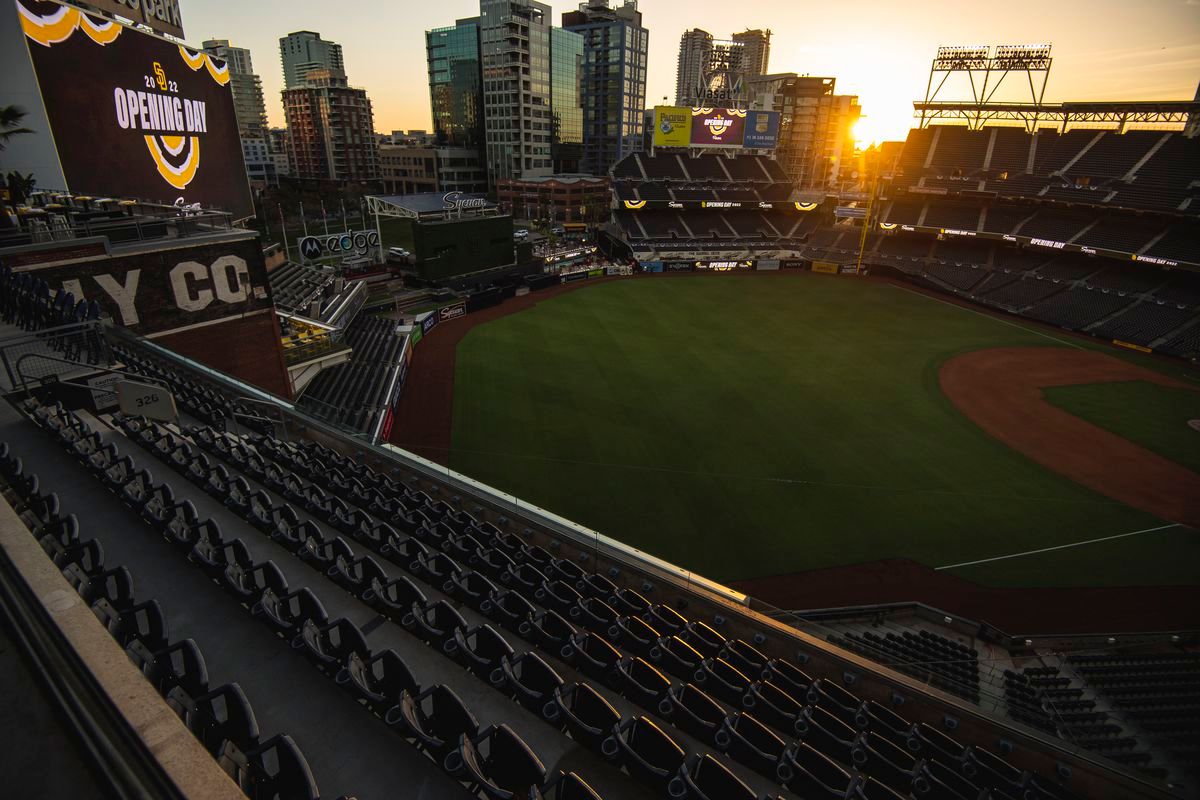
816	141
455	74
695	50
249	110
456	100
281	150
756	51
613	80
331	129
567	138
707	63
304	51
515	56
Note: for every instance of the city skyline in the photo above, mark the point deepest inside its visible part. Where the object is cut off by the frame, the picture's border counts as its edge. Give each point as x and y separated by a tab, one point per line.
1143	51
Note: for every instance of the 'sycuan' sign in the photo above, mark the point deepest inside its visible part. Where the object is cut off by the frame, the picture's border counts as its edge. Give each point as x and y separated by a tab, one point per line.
456	201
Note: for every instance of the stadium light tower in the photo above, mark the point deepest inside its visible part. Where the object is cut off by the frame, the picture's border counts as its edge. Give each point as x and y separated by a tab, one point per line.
986	68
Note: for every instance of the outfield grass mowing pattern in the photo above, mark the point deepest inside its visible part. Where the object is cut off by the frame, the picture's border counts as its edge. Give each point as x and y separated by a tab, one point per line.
760	425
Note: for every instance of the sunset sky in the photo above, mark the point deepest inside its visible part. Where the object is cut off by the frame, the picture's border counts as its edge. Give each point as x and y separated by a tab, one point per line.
877	49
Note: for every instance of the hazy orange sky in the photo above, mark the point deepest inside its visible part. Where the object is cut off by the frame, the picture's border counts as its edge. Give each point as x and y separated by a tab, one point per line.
877	49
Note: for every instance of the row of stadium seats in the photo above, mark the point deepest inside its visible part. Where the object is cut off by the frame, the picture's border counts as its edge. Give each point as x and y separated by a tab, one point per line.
220	718
829	703
1161	692
294	287
696	192
1074	291
357	393
668	166
26	302
1158	236
713	225
1141	169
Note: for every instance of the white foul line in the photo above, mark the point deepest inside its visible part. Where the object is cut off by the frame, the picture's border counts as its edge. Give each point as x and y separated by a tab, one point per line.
1060	547
992	317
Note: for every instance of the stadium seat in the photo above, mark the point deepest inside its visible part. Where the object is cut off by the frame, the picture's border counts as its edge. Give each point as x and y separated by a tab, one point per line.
482	649
705	778
690	709
585	713
498	763
722	680
592	655
676	657
750	742
377	680
811	774
330	645
435	622
531	681
633	634
275	769
510	608
772	705
645	750
569	786
434	719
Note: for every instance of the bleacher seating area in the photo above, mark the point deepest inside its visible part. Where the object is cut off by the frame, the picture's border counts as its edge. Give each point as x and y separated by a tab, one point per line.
1139	169
451	649
294	287
1159	692
1157	308
358	393
1128	196
680	178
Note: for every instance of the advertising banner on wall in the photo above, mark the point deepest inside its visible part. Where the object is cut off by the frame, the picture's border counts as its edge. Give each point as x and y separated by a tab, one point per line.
171	287
672	126
762	129
718	127
348	244
133	115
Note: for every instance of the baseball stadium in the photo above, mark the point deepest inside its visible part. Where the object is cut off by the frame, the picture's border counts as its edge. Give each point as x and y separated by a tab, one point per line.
738	490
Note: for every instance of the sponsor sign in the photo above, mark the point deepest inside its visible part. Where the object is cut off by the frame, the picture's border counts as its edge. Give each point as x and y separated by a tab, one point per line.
724	266
161	15
825	267
452	312
169	288
793	263
349	244
767	264
718	127
678	266
695	205
1131	346
428	322
762	129
134	115
573	276
672	126
457	201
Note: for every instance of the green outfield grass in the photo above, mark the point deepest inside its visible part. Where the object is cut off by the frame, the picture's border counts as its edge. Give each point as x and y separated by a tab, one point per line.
759	425
1153	416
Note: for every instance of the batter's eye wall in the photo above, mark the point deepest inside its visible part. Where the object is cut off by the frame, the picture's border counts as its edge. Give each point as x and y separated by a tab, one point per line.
445	249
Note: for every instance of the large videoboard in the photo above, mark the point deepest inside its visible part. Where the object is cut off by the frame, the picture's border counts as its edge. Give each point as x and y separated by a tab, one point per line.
133	115
681	126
